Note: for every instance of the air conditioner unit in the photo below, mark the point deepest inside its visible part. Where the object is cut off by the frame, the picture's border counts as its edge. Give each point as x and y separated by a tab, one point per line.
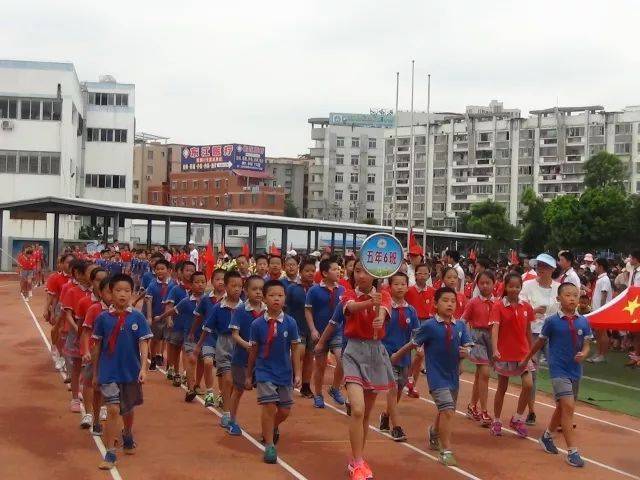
7	125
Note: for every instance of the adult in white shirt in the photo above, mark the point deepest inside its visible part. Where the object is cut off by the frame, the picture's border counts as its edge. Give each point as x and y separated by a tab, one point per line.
602	294
193	254
452	257
565	260
542	294
634	275
588	263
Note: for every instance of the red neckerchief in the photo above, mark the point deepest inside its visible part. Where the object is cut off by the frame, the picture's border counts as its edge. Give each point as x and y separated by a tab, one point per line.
332	296
113	337
402	317
572	328
272	332
164	288
448	340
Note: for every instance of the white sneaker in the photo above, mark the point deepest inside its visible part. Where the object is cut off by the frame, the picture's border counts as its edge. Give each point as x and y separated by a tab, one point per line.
103	413
597	359
87	420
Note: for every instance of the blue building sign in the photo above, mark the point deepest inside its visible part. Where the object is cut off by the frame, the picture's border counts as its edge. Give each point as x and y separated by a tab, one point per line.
232	156
375	119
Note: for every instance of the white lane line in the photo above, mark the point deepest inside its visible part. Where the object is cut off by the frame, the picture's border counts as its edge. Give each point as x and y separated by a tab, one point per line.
588	417
295	473
115	474
535	440
411	447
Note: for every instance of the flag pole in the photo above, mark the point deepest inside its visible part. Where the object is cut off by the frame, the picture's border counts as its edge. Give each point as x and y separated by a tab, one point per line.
411	160
426	162
394	169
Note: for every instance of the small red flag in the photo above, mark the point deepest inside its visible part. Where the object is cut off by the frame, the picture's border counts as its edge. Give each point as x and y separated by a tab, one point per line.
274	250
515	258
209	259
245	250
472	255
621	313
414	246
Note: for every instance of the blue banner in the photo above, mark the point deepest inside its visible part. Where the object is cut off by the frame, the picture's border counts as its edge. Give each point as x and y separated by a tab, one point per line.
232	156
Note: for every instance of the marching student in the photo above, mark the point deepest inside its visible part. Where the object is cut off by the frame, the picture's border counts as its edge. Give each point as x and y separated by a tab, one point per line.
420	297
568	335
262	265
121	369
274	339
218	322
450	278
155	296
275	269
476	315
26	268
510	322
291	275
402	325
320	304
52	308
445	341
252	308
295	307
367	369
242	262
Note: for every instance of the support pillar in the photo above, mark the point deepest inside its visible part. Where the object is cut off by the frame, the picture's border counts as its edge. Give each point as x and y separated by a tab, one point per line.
317	240
105	233
354	242
284	238
149	232
308	242
344	242
188	232
212	232
167	231
116	226
56	241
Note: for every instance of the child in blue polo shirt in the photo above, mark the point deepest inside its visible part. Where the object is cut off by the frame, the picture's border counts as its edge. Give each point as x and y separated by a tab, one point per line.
399	330
320	304
218	321
295	307
121	368
568	335
245	314
274	337
155	297
445	342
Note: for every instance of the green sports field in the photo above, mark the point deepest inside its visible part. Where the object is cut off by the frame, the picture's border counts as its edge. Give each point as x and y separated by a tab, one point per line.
610	386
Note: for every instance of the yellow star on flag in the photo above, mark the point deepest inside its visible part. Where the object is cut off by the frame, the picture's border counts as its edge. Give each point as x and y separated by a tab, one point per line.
632	306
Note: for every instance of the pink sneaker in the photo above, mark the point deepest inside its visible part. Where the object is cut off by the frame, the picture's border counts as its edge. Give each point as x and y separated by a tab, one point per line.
519	427
75	405
496	428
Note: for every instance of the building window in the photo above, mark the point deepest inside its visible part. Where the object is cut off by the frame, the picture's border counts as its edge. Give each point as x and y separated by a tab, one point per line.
174	185
353	196
525	170
352	214
205	184
195	185
122	99
149	154
30	109
485	137
149	169
339	159
370	213
120	135
217	201
340	142
371	178
217	183
154	196
355	160
51	109
354	178
371	161
622	148
8	108
339	177
104	181
32	163
623	129
355	142
184	185
372	143
371	196
104	99
338	195
107	135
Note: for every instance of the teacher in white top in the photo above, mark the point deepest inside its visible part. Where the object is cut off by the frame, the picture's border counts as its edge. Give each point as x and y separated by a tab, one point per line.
193	254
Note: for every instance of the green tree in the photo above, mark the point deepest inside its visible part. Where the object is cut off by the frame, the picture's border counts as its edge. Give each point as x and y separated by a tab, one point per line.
633	239
563	217
604	169
605	215
490	218
370	221
290	210
90	232
535	231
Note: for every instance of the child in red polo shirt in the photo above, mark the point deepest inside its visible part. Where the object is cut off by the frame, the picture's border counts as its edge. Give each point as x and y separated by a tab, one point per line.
511	341
366	364
420	297
450	279
26	269
476	315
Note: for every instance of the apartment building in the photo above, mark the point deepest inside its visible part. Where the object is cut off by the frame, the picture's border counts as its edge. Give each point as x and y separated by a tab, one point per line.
495	153
290	174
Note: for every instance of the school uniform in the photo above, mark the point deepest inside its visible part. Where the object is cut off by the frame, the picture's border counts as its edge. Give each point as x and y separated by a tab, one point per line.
157	291
365	359
322	301
570	276
295	305
175	335
120	334
402	325
89	322
186	310
218	321
204	310
241	321
441	342
72	297
273	338
27	265
603	285
422	300
286	281
634	277
476	315
566	336
513	341
116	268
53	287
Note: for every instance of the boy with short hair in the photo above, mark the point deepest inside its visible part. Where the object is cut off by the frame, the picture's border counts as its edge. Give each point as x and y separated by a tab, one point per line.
445	341
275	268
274	339
320	304
121	369
262	265
568	335
155	297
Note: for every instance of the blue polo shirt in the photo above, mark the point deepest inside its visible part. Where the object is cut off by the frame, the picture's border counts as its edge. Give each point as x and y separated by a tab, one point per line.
442	363
204	309
287	283
338	319
323	304
123	365
398	334
154	291
295	306
276	368
241	321
185	311
220	318
147	278
116	268
176	294
561	345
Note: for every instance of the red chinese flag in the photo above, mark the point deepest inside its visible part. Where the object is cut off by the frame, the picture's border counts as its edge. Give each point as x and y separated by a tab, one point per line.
515	259
209	259
621	313
472	255
245	250
274	250
414	246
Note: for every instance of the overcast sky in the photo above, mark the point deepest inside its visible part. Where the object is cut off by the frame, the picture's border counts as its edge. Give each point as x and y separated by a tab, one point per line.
254	72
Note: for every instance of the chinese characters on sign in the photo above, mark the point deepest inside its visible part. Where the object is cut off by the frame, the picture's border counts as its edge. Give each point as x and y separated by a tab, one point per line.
219	157
381	255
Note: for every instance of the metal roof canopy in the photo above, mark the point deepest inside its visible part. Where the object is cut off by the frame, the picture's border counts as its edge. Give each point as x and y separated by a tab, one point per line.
88	207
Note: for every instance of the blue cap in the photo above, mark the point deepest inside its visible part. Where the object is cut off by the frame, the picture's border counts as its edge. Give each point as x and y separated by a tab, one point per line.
544	258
